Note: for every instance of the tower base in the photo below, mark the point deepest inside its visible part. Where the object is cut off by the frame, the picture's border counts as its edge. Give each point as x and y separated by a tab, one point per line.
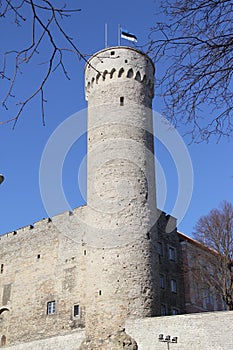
118	341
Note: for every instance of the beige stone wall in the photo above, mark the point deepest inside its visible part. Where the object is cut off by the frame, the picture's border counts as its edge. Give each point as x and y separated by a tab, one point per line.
203	331
41	264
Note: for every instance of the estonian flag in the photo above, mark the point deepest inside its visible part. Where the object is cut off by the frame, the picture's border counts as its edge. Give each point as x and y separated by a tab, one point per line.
128	36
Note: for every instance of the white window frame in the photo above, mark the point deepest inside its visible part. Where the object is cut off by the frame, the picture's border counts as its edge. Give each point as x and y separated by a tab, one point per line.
51	307
78	307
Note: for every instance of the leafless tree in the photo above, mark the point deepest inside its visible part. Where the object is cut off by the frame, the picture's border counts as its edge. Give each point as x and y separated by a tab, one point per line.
215	231
47	30
196	39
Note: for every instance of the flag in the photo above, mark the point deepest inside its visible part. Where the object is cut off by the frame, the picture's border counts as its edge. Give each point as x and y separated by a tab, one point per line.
128	36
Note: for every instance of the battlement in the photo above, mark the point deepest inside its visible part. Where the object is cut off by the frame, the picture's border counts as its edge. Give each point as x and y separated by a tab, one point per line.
118	63
45	223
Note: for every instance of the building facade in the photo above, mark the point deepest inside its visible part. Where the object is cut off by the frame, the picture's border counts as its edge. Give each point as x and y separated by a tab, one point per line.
201	281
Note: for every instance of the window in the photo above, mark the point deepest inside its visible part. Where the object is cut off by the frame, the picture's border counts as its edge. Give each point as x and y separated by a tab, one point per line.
162	281
3	340
160	249
76	310
2	268
175	311
122	101
51	307
172	253
173	286
163	310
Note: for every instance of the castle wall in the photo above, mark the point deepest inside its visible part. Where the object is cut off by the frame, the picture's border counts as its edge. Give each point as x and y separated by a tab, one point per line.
196	331
41	264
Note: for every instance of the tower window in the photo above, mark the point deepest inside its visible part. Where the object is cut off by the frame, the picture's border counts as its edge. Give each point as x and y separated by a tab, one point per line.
130	73
122	101
38	256
121	71
3	340
76	310
2	268
112	53
100	292
51	307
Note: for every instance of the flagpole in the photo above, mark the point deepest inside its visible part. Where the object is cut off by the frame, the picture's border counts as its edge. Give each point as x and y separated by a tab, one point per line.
119	35
106	35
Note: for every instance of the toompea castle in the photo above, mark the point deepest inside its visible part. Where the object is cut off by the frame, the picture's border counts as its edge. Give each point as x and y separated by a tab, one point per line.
110	275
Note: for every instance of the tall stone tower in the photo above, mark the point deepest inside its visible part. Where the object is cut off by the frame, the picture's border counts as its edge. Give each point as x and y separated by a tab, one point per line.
121	202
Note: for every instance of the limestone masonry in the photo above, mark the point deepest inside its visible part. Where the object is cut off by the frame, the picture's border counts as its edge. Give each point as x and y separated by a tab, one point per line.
94	277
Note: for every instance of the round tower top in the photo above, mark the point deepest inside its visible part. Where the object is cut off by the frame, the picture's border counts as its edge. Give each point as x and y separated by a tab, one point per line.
118	62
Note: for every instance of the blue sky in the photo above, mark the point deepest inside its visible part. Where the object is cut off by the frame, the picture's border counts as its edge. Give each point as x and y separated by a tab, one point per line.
21	148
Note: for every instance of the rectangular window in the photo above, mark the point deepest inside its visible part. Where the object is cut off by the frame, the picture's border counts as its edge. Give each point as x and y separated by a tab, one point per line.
163	310
175	311
160	249
122	101
76	310
51	307
173	286
162	281
172	253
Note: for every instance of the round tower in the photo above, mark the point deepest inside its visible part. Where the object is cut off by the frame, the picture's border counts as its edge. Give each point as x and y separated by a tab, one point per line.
121	201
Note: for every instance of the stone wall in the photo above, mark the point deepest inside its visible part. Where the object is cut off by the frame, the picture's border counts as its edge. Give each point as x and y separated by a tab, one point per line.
65	342
203	331
40	264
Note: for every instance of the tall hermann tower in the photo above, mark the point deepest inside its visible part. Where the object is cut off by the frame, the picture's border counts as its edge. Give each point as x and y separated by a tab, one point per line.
121	201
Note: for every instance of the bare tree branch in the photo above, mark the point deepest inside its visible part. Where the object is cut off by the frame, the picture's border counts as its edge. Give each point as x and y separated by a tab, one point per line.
45	25
196	38
215	231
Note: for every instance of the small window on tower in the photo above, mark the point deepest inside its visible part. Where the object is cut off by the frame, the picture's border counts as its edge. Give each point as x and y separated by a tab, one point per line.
122	101
2	268
51	307
76	310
